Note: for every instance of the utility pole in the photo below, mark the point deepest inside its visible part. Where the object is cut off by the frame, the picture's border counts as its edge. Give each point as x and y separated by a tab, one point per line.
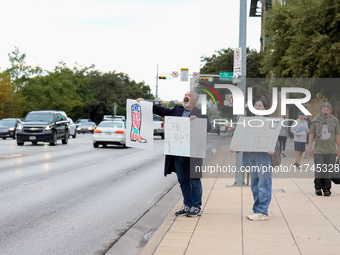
239	176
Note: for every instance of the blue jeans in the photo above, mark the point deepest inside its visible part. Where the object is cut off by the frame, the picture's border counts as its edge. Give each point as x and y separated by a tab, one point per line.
191	188
261	179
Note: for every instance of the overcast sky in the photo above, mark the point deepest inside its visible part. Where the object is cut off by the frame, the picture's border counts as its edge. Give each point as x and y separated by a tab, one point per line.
128	36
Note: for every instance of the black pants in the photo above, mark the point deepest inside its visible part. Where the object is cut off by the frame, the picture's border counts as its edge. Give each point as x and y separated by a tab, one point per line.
282	142
324	165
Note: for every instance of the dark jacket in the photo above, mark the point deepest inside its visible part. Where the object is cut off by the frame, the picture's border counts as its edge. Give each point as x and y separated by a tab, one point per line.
189	163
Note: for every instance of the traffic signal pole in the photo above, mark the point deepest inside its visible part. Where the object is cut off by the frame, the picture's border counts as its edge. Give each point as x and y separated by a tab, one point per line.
156	99
239	175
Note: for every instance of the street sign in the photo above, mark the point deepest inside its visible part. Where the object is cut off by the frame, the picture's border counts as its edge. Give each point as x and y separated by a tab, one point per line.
184	74
228	100
237	65
226	76
195	75
174	74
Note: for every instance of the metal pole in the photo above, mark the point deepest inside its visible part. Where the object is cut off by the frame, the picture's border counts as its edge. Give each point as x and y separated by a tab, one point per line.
156	99
239	176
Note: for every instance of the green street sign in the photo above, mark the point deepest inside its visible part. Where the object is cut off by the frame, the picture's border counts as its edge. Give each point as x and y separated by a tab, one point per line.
226	76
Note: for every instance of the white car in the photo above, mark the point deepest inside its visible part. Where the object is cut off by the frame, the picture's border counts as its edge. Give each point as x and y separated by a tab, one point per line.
109	132
158	126
73	128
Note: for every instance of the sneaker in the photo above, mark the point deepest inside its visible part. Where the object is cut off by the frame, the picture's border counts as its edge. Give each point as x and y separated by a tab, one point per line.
184	211
257	217
327	193
283	154
194	212
251	215
318	192
297	165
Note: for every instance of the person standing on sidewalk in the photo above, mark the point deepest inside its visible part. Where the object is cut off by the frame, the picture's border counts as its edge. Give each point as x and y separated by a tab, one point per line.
300	131
283	138
307	142
325	130
261	179
191	187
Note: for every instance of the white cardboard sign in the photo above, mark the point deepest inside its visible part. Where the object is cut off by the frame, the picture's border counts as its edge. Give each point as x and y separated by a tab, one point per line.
139	124
256	134
185	137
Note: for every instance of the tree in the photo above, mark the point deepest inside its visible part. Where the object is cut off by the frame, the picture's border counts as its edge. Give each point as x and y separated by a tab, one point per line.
223	60
80	92
304	42
5	96
60	90
19	71
111	89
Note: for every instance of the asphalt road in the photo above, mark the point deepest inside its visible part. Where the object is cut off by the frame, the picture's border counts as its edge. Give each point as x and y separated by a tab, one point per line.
74	199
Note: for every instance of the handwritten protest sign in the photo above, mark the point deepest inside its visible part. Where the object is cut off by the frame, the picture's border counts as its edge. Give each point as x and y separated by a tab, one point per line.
185	137
256	134
139	124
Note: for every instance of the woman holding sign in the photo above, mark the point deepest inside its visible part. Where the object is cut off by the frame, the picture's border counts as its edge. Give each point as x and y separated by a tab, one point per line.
261	176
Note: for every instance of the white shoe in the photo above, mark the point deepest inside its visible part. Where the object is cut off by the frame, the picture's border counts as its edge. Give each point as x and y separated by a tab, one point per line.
257	217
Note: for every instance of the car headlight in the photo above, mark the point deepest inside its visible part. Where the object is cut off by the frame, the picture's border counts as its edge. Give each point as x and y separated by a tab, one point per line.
19	127
11	129
48	127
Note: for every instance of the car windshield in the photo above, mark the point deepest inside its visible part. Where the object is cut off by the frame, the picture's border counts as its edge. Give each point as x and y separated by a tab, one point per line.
45	117
157	118
7	123
81	121
111	124
86	124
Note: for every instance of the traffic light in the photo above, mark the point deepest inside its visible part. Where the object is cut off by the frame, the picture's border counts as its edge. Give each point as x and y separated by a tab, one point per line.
206	79
163	77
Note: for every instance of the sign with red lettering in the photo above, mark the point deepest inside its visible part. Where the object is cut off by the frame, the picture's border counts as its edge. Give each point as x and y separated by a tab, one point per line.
256	134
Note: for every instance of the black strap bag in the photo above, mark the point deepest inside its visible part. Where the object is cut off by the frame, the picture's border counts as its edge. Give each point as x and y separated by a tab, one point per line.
336	172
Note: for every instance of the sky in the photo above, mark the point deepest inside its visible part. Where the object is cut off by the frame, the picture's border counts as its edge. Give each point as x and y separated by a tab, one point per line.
128	36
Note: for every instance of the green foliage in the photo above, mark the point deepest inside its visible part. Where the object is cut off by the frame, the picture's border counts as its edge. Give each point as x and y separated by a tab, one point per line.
5	95
304	42
80	92
223	60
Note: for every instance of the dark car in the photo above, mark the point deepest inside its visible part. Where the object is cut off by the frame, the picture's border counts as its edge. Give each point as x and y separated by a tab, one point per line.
8	127
78	122
43	126
86	127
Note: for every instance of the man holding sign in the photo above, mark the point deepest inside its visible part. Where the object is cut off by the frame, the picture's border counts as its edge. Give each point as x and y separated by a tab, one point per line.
191	187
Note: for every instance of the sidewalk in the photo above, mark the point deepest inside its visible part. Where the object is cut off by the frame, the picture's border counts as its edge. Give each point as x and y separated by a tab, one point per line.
299	221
